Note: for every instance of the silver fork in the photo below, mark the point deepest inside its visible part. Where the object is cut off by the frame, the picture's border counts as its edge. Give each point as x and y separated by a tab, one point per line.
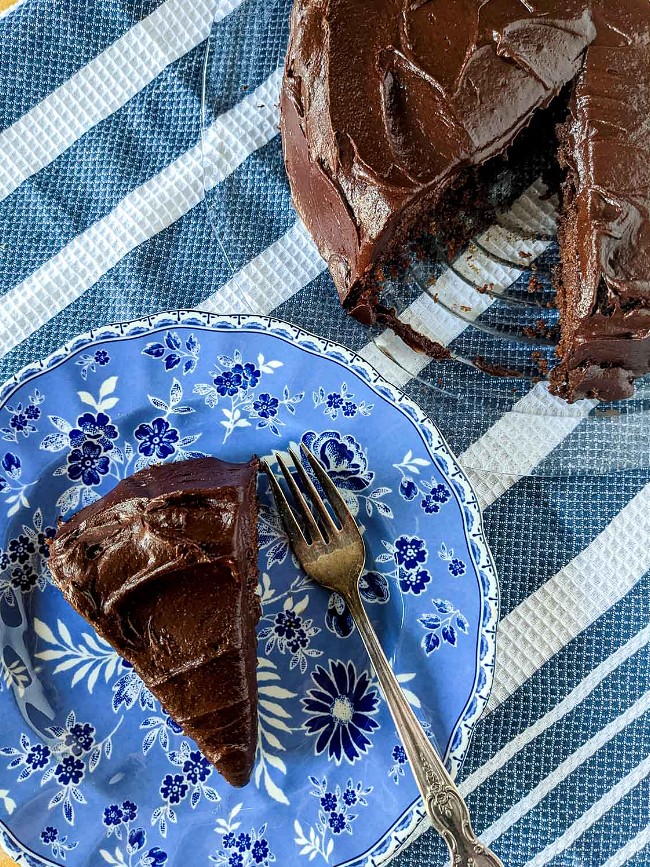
334	556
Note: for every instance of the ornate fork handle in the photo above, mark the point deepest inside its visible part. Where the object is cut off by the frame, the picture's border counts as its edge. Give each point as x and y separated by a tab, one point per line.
442	800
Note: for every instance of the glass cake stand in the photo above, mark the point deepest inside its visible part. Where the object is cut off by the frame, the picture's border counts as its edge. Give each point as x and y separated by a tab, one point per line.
492	306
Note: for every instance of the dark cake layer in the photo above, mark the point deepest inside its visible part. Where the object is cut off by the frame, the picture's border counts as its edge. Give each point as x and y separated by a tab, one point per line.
604	297
386	103
164	567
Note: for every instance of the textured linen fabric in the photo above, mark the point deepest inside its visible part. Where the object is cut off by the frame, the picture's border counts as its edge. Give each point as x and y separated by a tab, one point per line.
103	217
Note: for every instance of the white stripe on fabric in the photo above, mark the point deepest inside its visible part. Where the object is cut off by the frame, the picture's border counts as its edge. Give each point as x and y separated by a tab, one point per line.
520	440
104	85
633	847
568	766
581	592
272	277
592	815
577	695
147	210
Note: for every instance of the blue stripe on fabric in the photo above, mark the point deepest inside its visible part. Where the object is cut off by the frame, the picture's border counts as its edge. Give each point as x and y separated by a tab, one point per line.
621	823
43	43
109	161
543	691
642	859
317	306
566	512
253	206
564	805
174	269
260	30
527	769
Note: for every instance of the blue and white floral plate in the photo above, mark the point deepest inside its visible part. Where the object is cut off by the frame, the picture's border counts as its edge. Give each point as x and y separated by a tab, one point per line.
92	770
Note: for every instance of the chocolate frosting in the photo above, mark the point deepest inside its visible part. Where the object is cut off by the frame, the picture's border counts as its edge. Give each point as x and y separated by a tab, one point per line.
605	230
164	567
385	102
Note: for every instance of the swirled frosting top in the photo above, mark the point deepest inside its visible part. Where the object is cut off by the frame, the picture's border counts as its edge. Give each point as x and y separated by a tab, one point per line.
385	101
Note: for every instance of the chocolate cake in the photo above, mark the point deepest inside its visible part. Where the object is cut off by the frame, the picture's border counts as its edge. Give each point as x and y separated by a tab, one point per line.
164	567
605	226
396	113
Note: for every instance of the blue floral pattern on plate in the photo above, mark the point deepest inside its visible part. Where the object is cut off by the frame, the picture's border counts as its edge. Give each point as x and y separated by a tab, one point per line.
87	748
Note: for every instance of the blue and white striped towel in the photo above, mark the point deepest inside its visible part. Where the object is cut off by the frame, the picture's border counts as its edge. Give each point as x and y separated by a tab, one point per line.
102	218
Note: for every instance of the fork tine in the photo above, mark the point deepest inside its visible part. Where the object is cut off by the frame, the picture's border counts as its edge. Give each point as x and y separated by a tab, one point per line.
305	511
331	491
284	509
314	496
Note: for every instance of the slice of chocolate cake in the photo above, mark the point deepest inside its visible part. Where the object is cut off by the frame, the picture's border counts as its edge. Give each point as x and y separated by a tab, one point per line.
164	567
389	109
604	296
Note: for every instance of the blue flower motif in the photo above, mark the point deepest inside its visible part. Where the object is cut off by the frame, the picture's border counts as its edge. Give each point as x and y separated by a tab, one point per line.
70	770
235	860
49	834
343	458
410	552
20	549
228	383
43	546
136	839
286	624
456	567
437	495
32	412
101	357
158	438
340	707
329	802
154	858
266	406
349	408
408	489
37	757
244	842
19	421
11	464
80	738
87	464
300	642
260	850
399	754
334	400
4	558
197	767
23	578
130	810
338	822
350	797
248	373
229	840
174	789
112	815
93	427
413	581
